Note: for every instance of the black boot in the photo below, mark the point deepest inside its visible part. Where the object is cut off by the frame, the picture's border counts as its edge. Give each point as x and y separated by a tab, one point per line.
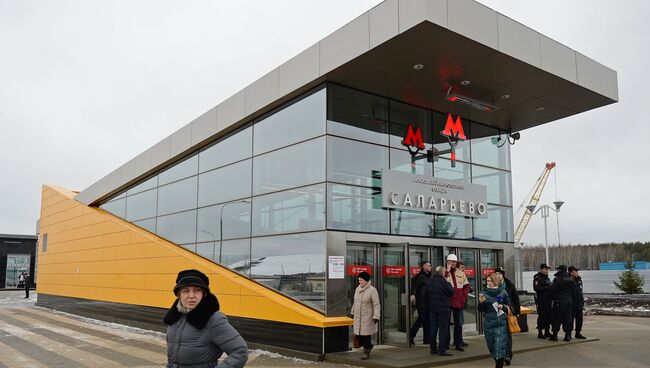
547	333
553	337
567	337
540	334
499	363
579	335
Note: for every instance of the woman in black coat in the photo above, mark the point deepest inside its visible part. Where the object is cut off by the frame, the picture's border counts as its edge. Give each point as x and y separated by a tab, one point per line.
197	333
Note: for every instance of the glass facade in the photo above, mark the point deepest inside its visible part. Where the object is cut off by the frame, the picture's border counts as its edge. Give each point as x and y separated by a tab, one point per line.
260	200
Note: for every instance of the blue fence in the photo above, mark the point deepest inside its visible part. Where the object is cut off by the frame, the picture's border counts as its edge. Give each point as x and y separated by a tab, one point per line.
619	266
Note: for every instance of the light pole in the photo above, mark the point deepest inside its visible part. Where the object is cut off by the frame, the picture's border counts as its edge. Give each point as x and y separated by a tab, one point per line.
221	224
545	213
214	240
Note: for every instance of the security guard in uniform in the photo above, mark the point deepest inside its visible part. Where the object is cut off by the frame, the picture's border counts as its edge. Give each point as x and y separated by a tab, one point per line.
563	289
578	301
543	301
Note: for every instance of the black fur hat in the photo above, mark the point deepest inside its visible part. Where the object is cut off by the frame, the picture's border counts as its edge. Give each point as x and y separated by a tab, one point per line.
192	278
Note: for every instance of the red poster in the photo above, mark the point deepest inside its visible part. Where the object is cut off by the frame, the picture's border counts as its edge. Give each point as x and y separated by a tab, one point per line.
415	270
470	272
486	271
355	270
394	270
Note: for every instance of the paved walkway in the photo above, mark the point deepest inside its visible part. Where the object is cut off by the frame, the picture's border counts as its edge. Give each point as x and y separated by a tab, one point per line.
36	337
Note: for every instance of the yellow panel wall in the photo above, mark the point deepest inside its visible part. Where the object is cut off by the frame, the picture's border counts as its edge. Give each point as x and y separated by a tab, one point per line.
92	254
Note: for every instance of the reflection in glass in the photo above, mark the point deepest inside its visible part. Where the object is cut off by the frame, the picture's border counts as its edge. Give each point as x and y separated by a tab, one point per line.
300	121
411	223
236	221
401	161
497	227
178	228
225	184
116	207
403	115
141	205
290	167
206	250
442	169
485	147
442	143
148	224
300	209
356	209
353	162
453	227
293	264
179	171
234	148
497	183
357	115
178	196
146	185
236	255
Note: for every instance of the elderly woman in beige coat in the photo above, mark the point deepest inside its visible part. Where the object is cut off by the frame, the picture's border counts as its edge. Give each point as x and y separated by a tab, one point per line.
366	312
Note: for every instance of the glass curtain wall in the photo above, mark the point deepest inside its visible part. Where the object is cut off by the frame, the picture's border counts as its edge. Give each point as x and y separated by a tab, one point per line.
253	201
364	135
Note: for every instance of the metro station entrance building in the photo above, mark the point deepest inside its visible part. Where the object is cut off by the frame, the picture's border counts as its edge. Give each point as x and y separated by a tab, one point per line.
319	170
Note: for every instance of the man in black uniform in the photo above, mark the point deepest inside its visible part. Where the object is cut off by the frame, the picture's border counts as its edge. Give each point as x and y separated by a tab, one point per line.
27	283
563	289
578	301
543	301
419	297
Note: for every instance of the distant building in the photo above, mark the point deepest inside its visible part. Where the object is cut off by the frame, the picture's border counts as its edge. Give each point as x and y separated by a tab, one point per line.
619	266
17	254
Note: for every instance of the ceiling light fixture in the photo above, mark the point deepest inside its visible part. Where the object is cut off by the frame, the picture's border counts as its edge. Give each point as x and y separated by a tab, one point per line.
505	97
539	108
471	102
418	66
465	83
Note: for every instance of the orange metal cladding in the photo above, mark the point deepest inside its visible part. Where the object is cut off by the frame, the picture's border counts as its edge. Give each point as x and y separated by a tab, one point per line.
92	254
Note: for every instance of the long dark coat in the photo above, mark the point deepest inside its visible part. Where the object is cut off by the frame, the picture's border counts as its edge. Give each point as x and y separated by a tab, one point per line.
495	326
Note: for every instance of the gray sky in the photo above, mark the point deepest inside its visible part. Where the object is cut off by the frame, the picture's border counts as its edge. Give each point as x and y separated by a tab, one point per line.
87	85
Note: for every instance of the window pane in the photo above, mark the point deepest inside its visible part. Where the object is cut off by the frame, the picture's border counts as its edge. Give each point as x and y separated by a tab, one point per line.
234	148
207	250
453	227
357	115
353	162
236	255
301	209
354	208
442	169
148	224
290	167
297	122
236	221
142	205
497	227
178	228
225	184
401	116
442	143
146	185
411	223
401	161
177	196
293	264
179	171
116	207
485	147
497	183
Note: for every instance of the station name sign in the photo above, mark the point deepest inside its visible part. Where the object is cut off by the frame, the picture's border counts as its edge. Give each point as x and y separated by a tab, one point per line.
406	191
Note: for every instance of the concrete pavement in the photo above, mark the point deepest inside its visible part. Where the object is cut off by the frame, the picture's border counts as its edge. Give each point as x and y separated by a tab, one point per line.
36	337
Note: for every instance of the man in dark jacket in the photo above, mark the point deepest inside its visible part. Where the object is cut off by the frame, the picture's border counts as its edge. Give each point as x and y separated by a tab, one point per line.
28	282
562	289
418	296
438	292
513	297
543	301
578	301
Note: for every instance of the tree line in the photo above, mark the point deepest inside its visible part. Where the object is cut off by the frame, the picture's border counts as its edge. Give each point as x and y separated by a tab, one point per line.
585	256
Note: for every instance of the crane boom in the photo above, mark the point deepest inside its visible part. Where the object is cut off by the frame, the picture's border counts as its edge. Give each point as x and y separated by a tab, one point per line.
534	199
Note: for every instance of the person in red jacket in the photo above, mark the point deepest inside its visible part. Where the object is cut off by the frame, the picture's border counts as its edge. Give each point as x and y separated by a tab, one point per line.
461	286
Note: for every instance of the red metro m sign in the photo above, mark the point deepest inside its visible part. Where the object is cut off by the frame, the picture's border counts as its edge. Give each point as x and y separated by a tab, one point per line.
453	131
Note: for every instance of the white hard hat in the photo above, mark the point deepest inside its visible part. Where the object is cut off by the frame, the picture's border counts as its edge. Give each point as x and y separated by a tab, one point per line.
452	257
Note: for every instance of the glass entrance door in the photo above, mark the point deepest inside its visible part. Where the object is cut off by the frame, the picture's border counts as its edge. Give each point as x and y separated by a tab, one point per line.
469	258
393	293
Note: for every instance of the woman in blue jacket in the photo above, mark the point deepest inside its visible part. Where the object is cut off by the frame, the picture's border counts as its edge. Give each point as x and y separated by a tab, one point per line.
493	303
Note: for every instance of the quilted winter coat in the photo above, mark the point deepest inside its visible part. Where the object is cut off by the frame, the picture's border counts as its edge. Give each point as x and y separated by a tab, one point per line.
495	327
365	310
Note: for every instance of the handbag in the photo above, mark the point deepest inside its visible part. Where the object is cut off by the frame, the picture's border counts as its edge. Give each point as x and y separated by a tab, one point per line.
356	342
513	325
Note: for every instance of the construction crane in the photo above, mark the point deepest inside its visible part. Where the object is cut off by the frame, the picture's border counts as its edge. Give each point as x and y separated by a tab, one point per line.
534	199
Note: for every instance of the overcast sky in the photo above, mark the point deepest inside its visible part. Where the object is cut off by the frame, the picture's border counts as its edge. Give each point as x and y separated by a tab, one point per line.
87	85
